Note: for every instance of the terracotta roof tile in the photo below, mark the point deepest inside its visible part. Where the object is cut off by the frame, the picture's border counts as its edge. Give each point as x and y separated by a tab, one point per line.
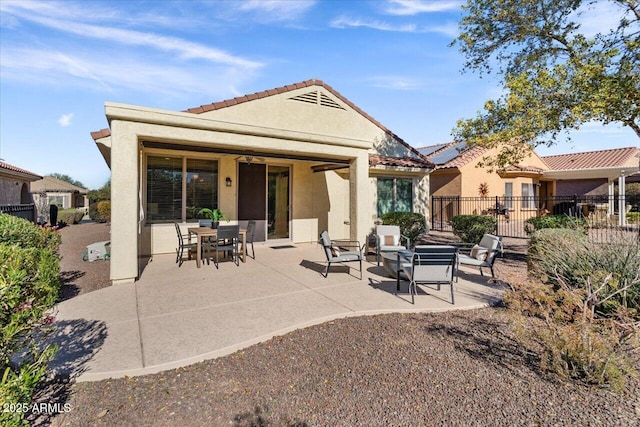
523	168
409	162
593	159
11	168
102	133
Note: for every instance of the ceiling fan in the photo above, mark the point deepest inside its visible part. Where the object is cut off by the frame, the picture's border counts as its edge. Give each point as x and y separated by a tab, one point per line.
250	158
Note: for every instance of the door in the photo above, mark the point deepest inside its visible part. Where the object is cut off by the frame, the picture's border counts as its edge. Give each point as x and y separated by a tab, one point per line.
278	202
252	197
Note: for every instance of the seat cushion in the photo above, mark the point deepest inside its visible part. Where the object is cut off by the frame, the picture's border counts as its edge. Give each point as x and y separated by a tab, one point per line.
392	248
469	260
347	256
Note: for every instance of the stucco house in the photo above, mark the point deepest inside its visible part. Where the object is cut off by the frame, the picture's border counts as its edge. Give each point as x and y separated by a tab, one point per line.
50	190
537	183
298	159
457	174
15	193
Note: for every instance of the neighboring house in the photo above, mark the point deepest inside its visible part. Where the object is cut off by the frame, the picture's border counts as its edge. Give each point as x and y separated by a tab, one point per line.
54	191
298	159
594	172
538	182
457	175
15	192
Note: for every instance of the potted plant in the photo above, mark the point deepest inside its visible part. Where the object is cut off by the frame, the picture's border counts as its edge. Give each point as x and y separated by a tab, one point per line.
215	215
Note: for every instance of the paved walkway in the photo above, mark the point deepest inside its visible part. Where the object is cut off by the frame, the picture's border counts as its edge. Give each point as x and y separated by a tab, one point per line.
175	316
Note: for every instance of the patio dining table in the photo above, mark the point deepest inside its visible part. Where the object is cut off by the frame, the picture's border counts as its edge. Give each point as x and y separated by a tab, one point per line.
201	232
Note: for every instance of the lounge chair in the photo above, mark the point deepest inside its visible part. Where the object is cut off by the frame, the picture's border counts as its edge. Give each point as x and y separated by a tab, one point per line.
336	253
483	254
389	239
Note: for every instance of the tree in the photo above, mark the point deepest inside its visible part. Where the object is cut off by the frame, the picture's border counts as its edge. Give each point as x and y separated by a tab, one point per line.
103	193
555	78
67	178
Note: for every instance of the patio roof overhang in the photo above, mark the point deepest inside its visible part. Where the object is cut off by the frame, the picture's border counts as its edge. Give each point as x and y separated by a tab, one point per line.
235	138
610	173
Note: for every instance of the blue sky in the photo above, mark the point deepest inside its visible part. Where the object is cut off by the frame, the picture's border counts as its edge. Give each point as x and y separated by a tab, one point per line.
60	62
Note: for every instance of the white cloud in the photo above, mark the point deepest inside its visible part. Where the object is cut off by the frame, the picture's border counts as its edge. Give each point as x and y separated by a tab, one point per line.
65	120
414	7
396	82
598	18
344	22
183	48
119	72
277	10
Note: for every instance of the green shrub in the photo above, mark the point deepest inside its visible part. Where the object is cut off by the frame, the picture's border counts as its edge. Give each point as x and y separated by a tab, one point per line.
535	223
633	217
412	224
100	211
70	216
29	285
471	228
586	301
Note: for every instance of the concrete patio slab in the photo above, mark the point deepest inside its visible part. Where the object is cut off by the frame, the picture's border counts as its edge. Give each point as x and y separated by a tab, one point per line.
174	316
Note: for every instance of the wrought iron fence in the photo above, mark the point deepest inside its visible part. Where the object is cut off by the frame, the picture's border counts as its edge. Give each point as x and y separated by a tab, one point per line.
27	211
601	214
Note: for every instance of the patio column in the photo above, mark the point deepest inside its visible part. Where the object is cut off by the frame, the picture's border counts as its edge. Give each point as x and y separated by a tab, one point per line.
124	202
359	197
612	201
622	207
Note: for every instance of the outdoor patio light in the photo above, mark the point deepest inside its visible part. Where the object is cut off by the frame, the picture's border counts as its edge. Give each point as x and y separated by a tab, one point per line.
228	181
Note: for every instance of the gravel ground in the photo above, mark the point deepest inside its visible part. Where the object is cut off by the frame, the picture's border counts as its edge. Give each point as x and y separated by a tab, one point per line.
457	368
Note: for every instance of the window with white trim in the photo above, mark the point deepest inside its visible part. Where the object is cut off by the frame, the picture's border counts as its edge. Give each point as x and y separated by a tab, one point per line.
508	195
528	196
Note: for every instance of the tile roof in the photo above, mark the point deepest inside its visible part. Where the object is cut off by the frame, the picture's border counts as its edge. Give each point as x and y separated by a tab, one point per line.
283	89
408	162
522	168
10	168
50	183
618	157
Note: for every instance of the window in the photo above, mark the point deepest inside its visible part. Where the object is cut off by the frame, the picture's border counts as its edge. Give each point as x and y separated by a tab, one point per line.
167	176
528	196
508	195
394	195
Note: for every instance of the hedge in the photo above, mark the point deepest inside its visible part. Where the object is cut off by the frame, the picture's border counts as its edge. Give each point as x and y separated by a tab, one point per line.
412	224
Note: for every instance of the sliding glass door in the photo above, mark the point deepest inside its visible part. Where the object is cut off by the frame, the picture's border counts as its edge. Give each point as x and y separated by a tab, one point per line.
278	202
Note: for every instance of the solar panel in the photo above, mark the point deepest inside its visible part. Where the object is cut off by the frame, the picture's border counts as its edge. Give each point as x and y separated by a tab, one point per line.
449	154
425	151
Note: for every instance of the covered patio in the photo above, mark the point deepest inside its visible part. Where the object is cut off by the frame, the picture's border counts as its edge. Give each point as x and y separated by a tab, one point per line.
175	316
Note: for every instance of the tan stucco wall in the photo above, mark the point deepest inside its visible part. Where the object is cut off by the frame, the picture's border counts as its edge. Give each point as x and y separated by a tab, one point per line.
10	189
445	183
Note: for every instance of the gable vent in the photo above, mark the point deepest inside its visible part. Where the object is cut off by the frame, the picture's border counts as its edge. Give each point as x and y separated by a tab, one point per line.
318	98
325	101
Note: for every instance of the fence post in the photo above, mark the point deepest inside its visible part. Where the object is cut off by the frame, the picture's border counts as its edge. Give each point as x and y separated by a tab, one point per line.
496	216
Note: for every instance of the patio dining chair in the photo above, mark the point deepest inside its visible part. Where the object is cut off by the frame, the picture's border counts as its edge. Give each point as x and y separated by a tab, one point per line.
251	231
336	253
184	242
430	264
226	241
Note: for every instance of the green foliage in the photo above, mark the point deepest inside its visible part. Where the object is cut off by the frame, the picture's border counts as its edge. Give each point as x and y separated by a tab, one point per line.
584	310
70	216
214	215
471	228
66	178
633	217
554	221
29	285
412	224
100	211
103	193
555	78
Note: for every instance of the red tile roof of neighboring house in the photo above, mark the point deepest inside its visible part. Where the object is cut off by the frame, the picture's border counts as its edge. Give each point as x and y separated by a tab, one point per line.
593	159
307	83
11	168
408	162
